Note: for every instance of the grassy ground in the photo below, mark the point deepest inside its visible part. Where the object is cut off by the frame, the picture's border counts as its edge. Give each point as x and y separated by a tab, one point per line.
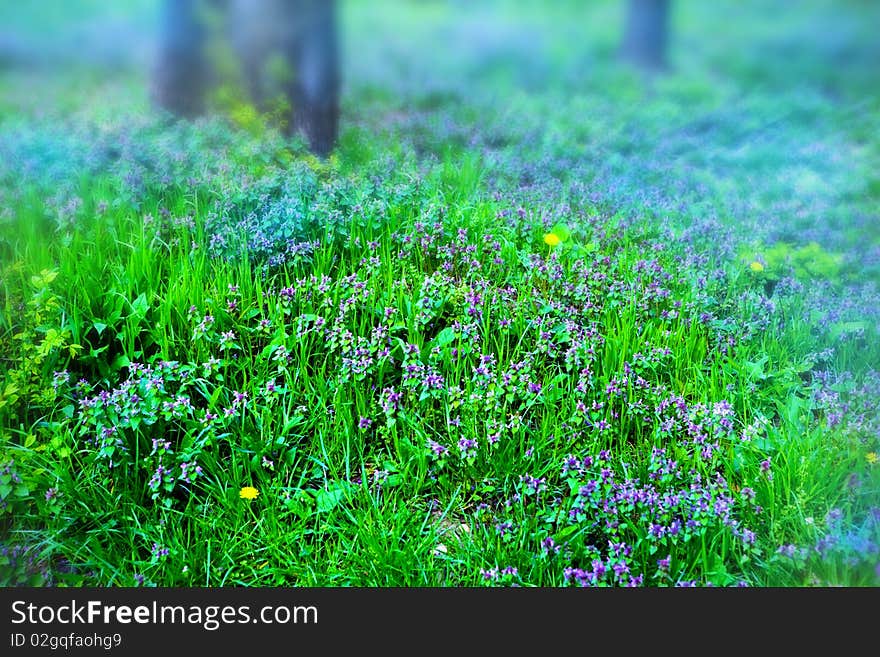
538	321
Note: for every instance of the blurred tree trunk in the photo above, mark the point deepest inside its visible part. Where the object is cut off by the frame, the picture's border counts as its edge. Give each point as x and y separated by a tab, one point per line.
314	88
646	33
286	47
181	74
289	48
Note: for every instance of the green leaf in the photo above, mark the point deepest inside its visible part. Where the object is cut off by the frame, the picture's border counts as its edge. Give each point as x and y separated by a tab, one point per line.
566	532
561	231
327	500
443	338
554	391
755	370
139	307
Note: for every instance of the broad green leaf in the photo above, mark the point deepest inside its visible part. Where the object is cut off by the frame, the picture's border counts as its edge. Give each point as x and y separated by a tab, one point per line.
327	500
139	307
561	231
443	338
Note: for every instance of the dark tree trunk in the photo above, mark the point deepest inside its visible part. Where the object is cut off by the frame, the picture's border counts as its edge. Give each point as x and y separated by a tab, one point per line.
646	33
181	73
314	87
302	34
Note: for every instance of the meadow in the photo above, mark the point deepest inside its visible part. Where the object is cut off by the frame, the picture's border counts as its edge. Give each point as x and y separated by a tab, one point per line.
539	320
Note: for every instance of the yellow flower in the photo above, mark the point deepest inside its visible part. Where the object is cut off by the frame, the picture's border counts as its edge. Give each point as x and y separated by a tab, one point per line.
871	457
756	266
551	239
248	493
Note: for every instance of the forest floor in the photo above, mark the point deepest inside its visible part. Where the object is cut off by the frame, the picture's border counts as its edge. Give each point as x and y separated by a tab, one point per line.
539	320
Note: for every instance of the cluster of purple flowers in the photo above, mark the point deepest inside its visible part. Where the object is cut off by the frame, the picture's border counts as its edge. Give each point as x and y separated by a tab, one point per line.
158	396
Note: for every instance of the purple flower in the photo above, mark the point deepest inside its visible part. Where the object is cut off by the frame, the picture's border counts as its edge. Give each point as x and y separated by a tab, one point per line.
834	515
390	400
618	549
655	530
437	448
159	551
636	581
490	574
571	464
227	338
466	446
533	484
588	489
787	550
549	545
504	528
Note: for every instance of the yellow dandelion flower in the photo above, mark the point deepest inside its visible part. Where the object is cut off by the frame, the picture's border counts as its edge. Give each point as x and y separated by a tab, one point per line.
871	457
551	239
248	493
756	266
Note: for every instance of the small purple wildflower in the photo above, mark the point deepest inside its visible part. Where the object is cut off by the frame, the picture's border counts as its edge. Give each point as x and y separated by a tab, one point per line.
437	448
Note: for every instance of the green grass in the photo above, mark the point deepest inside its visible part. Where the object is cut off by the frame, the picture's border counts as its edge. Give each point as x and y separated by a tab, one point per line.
373	314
